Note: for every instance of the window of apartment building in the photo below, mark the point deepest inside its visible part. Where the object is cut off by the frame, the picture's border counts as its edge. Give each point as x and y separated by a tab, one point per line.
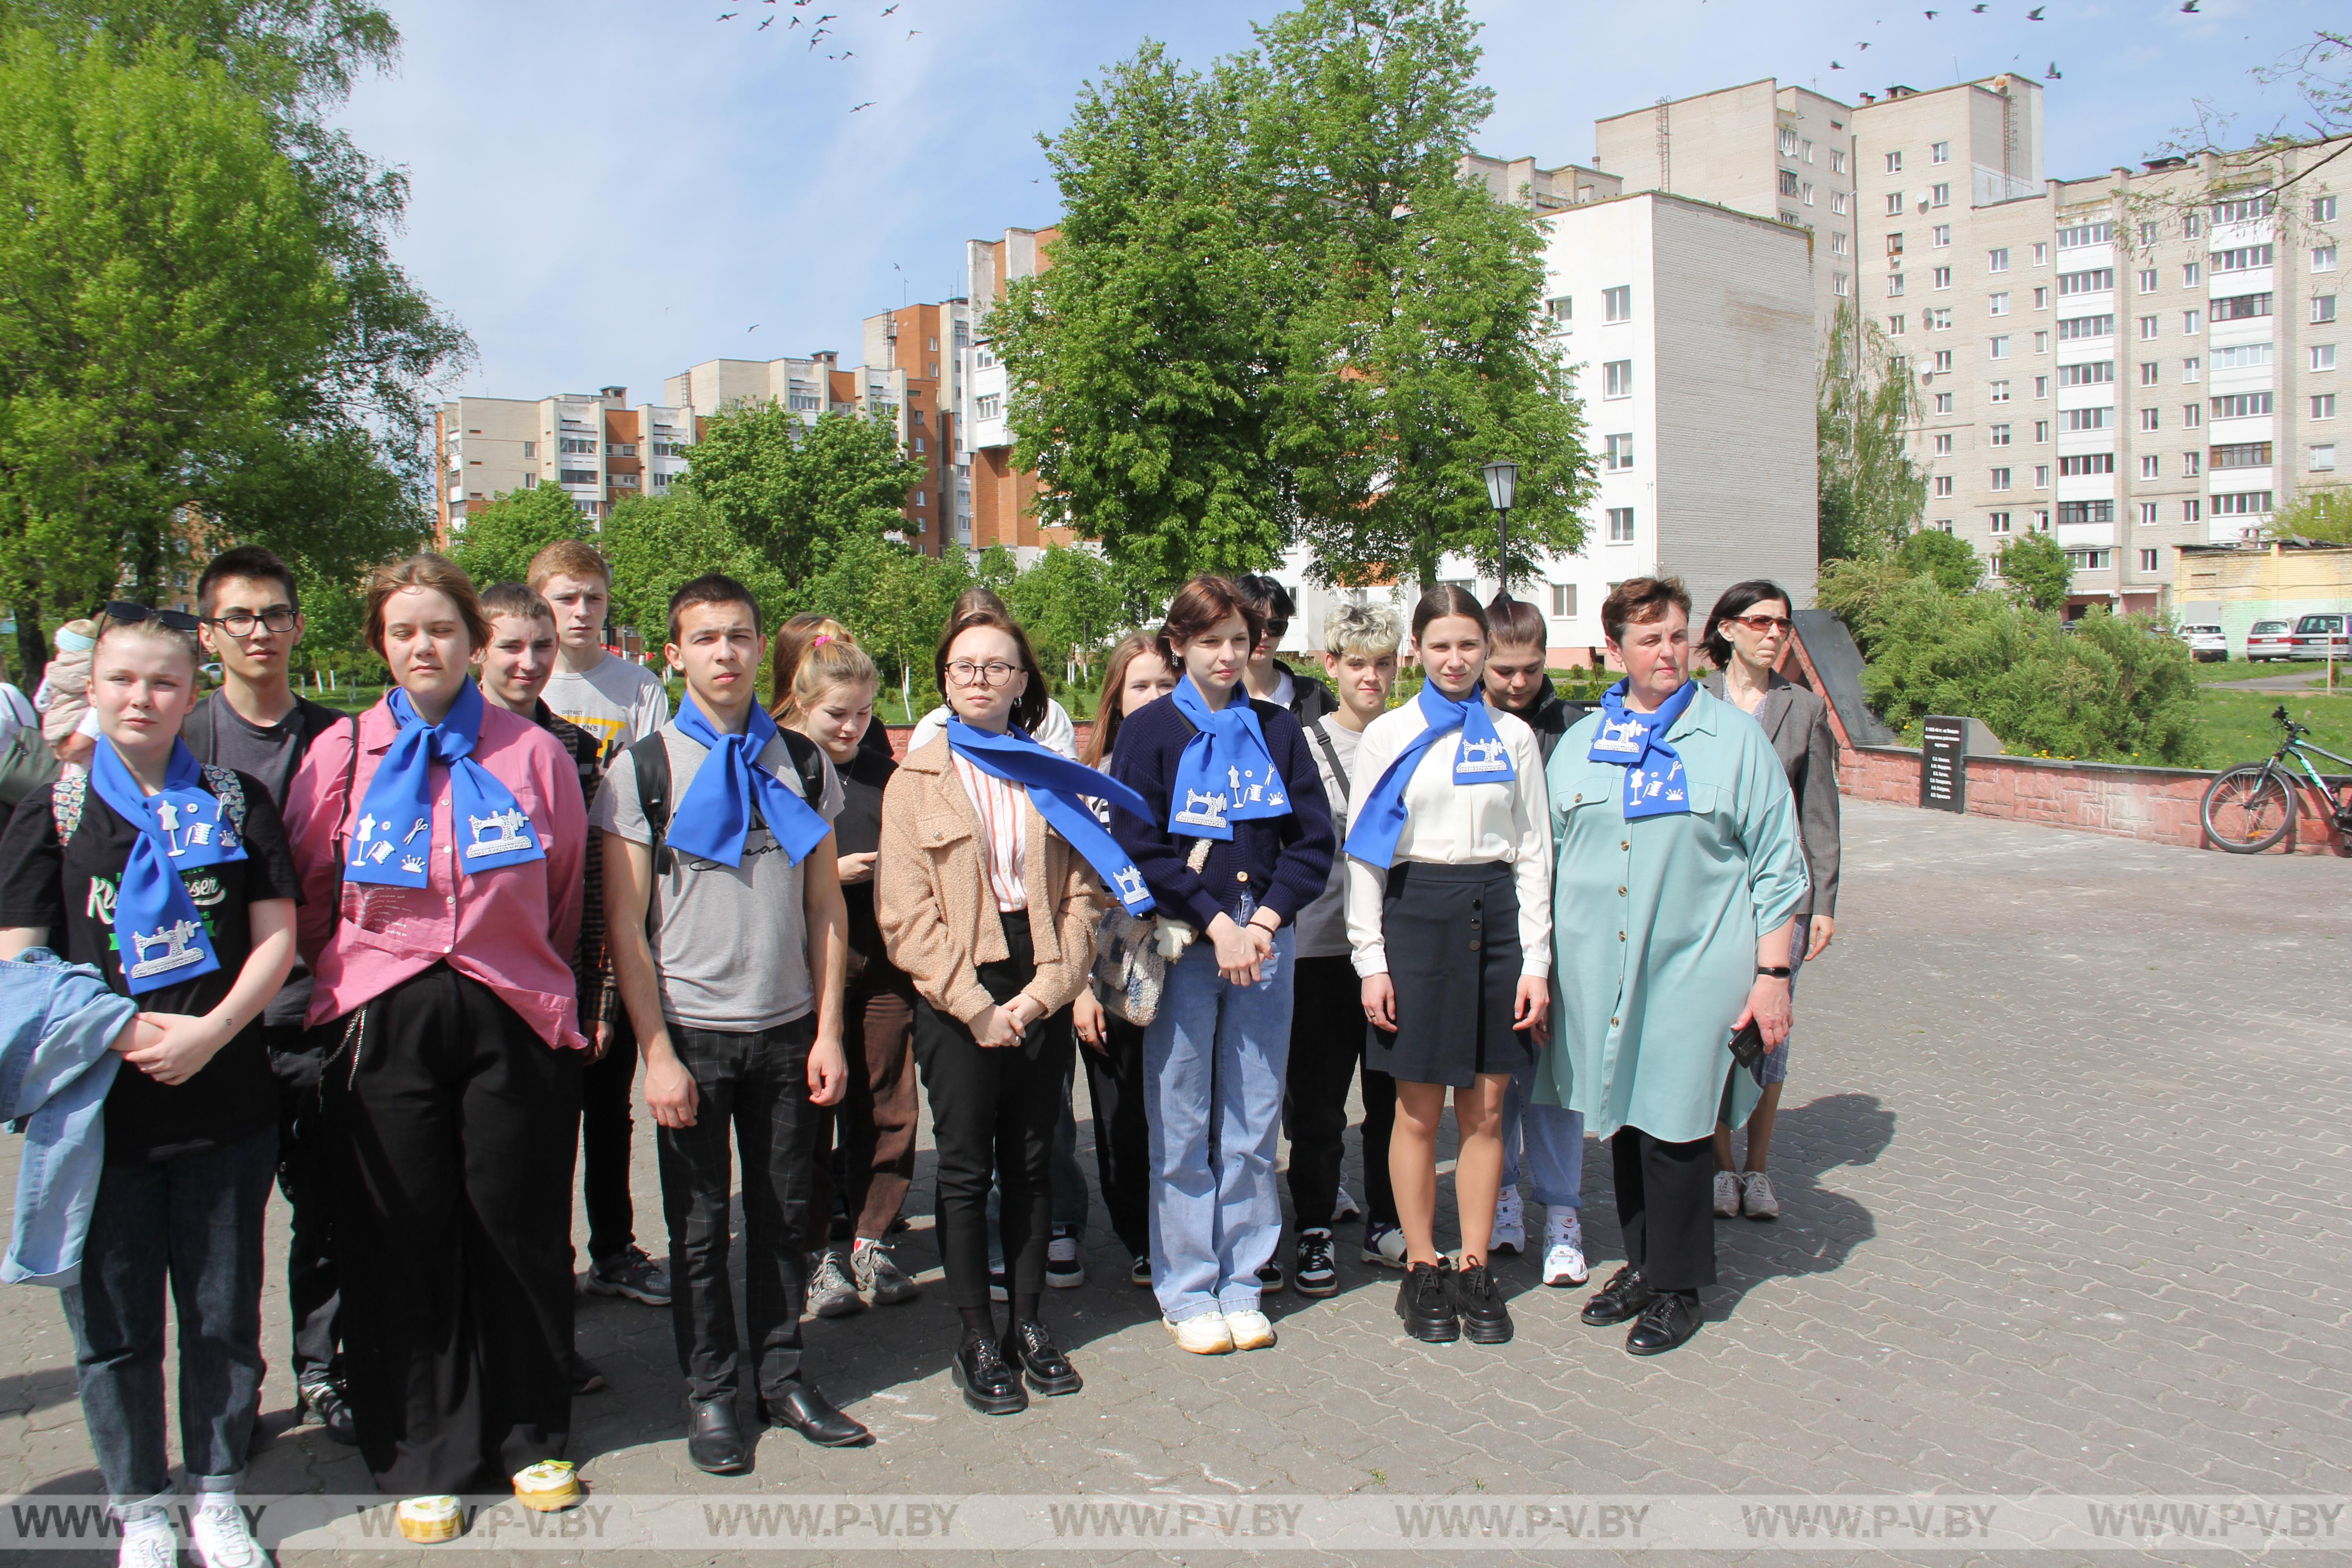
1939	278
1621	525
2193	370
2243	258
1943	403
2084	463
2151	467
1894	326
989	407
1895	286
2192	464
1837	240
2323	406
1999	392
661	481
1943	485
1837	162
1943	362
1895	203
2151	373
2322	356
2075	236
2192	415
2192	510
2040	253
2148	512
1837	209
1941	197
2245	209
2151	419
1561	309
1787	143
2191	274
1895	162
620	449
2040	387
2098	280
1563	601
1841	285
2323	258
2148	281
919	444
2091	373
530	481
2041	342
1805	150
1617	304
2041	432
2041	523
531	449
2244	356
984	358
1997	260
2191	225
2323	209
2077	328
1788	181
2040	476
2000	435
1807	194
2191	324
1941	234
572	446
2242	405
1940	152
1621	453
2042	298
2148	327
2000	346
1998	304
2322	458
2000	478
2241	503
2323	308
1617	378
2241	307
2148	232
1940	320
1999	521
1944	445
2148	560
575	476
2242	455
2085	512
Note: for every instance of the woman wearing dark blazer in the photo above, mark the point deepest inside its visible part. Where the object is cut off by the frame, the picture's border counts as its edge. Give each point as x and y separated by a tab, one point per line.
1747	634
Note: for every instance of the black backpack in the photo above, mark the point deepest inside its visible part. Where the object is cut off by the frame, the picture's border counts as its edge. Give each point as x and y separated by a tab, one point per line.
650	759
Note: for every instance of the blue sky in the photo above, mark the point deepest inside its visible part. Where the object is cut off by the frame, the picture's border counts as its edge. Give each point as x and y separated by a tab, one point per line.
664	182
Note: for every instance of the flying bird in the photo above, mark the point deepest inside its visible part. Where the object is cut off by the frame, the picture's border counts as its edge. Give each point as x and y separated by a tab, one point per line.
1833	66
2189	9
2054	73
828	16
1931	15
912	31
868	104
2035	15
749	330
765	25
1862	46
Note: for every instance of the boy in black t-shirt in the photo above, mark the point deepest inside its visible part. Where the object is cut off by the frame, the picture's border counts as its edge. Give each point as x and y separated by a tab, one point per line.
174	880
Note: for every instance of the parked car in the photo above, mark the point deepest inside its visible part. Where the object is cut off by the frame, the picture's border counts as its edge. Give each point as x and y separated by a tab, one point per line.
2315	635
2270	640
2206	644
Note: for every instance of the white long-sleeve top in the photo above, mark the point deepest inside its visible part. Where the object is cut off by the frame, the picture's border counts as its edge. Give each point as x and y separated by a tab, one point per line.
1449	825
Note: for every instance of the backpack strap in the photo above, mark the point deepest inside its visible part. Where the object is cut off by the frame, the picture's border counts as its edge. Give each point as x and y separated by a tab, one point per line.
650	760
809	762
1338	770
67	799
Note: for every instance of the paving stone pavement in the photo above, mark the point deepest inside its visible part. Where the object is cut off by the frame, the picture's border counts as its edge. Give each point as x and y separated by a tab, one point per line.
2067	1189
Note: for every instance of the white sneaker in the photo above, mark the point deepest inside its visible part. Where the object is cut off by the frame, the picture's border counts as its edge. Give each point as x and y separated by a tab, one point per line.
1510	1223
1563	1262
1204	1335
1727	1194
148	1544
1250	1331
218	1532
1757	1197
1344	1208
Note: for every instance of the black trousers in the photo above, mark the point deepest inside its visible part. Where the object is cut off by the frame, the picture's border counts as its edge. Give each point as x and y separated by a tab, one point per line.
1122	1138
1665	1206
993	1115
754	1085
605	1127
1326	1043
457	1126
306	1176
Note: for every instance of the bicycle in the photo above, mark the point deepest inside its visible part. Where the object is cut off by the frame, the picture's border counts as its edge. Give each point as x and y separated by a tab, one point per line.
2250	807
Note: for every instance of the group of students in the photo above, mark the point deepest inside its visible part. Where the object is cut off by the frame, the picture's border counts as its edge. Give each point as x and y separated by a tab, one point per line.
384	961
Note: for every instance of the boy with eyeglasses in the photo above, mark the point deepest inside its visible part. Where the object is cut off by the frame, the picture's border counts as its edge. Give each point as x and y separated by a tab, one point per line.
249	617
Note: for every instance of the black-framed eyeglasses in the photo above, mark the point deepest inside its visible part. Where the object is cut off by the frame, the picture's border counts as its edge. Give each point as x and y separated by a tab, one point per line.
995	673
278	618
130	612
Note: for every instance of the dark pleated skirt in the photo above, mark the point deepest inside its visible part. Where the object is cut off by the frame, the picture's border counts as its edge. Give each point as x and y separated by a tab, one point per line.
1452	937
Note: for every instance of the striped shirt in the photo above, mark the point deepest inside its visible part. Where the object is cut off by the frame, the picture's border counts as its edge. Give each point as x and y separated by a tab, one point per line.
1004	824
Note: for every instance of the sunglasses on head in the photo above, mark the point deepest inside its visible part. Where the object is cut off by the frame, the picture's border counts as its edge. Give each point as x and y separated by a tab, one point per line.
130	612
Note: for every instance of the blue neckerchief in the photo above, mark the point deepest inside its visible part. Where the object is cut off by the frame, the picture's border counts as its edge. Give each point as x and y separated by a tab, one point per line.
393	843
1056	788
1654	785
158	932
1226	774
1482	759
710	823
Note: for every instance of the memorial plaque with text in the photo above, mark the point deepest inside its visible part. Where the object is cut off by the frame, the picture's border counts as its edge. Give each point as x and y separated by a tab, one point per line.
1943	764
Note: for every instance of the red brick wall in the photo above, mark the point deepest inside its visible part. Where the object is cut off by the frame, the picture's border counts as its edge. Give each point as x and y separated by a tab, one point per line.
2157	805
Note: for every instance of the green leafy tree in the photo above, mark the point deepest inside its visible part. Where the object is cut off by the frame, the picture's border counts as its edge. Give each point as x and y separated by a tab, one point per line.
1418	356
1070	602
796	491
996	569
659	543
498	541
1949	561
2037	568
1144	358
895	600
2321	513
1872	495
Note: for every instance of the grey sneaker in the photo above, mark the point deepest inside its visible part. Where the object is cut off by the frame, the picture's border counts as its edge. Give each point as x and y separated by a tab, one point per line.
1727	1194
634	1275
878	1274
830	1292
1755	1196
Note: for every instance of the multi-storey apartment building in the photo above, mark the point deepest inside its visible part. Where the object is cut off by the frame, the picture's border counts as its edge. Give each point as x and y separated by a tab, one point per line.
597	448
998	501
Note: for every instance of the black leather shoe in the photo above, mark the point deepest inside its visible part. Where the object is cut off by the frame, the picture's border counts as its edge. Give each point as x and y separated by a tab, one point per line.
323	1402
808	1412
1046	1369
990	1386
1425	1302
1664	1323
1623	1296
1485	1320
713	1440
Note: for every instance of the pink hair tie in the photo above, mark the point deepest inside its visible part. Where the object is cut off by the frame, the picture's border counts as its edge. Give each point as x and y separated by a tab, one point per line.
822	638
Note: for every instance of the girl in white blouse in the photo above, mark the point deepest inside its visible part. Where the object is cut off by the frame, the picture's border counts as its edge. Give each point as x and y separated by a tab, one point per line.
1449	919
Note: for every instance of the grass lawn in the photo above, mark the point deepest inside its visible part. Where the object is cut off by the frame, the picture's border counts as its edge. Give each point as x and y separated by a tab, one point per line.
2238	726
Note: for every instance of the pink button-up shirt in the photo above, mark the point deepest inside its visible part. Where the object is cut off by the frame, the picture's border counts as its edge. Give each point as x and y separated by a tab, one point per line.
508	928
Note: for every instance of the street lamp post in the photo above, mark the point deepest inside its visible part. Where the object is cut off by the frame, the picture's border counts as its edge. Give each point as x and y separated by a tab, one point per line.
1502	490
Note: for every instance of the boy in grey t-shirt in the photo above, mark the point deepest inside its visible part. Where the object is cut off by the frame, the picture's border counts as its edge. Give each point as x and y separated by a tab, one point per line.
733	977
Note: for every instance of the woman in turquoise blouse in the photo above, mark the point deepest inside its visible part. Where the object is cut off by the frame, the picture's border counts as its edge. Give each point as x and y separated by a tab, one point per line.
1678	872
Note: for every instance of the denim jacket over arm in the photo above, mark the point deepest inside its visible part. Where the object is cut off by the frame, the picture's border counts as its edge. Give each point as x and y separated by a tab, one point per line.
57	1020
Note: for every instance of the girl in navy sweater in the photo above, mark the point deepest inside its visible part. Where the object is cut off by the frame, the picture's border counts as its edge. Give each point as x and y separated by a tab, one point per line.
1238	842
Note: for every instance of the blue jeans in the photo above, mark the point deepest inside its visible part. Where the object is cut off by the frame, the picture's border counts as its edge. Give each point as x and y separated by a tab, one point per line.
1554	1136
194	1221
1214	1060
